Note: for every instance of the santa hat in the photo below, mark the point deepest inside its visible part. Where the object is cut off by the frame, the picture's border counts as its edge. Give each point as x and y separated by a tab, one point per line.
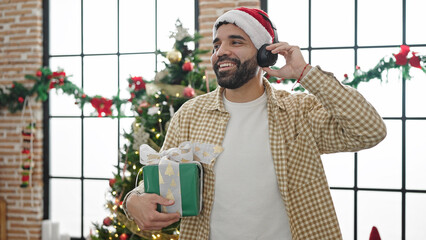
251	21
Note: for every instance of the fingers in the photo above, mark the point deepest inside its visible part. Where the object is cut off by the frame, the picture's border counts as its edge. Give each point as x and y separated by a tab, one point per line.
148	218
156	220
154	198
282	48
271	72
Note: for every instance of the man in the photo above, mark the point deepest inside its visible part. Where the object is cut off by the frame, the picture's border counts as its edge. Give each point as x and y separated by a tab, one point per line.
269	182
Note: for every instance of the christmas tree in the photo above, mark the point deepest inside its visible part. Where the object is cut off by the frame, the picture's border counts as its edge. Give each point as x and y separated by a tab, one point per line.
154	104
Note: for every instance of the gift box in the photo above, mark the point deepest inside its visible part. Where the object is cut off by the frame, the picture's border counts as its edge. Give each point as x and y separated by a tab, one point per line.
191	184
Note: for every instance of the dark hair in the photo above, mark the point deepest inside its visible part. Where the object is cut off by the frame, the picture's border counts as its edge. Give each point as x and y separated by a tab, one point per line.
222	23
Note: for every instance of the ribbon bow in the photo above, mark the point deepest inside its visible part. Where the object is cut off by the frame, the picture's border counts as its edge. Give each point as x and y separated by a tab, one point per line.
186	152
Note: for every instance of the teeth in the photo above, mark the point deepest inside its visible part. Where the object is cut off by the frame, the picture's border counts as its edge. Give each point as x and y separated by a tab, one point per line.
226	65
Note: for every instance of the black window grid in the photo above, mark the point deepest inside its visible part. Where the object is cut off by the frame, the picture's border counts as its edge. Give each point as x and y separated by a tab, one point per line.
403	190
46	110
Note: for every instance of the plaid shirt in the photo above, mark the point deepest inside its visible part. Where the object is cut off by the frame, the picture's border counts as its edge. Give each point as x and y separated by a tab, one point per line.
334	118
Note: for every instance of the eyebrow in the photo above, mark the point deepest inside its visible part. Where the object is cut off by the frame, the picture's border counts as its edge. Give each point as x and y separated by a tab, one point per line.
231	37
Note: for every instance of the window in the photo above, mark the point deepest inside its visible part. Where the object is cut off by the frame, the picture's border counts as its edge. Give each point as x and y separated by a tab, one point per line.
384	186
100	43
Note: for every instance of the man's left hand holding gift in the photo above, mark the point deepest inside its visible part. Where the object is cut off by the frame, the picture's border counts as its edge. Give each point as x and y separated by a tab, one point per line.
144	211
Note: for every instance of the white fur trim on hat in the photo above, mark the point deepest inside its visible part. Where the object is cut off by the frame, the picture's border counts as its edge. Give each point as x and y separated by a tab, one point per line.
253	28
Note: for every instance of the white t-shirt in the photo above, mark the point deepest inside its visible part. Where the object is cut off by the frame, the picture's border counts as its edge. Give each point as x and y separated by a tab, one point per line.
247	202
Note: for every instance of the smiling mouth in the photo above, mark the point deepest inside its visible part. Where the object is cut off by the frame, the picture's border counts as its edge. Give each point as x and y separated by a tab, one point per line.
226	66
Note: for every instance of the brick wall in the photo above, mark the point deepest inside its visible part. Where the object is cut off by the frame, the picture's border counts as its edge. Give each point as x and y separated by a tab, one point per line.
210	10
20	53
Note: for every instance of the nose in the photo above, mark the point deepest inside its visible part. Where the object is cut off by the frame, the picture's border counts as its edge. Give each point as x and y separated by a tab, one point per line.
222	50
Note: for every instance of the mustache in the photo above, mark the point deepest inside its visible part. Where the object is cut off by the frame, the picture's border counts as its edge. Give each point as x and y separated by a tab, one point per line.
226	58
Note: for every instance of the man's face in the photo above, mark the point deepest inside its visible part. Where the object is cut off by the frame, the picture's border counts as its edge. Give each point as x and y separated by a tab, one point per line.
234	57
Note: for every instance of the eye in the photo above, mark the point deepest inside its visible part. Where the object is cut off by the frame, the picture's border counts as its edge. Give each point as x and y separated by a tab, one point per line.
236	42
215	47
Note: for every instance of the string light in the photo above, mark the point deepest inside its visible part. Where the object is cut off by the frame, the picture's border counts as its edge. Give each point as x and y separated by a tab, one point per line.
139	229
154	237
177	94
153	129
156	96
137	152
116	235
160	120
114	208
134	167
157	135
114	193
124	226
157	104
159	112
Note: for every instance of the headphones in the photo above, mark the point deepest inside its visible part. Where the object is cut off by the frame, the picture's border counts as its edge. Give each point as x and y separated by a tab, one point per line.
266	58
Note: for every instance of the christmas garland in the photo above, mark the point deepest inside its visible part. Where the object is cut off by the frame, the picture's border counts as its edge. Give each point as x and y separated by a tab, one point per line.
398	61
45	80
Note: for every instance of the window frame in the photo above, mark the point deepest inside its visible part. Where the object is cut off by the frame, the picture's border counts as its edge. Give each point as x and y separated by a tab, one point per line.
46	109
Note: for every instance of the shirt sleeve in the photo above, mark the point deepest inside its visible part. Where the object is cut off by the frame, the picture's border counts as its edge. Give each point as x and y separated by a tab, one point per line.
341	119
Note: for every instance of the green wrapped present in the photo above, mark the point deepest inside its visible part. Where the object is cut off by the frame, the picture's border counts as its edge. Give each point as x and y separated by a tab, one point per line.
177	174
191	185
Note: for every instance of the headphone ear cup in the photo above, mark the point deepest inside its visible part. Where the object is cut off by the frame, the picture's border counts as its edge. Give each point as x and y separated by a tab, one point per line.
266	58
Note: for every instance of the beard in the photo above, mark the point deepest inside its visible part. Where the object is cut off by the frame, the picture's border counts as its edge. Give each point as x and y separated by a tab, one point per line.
233	79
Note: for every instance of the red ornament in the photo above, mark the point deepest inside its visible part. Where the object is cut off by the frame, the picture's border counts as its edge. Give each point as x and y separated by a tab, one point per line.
187	66
415	61
102	105
357	67
39	73
112	182
107	221
401	57
278	80
374	235
139	83
84	95
124	236
345	76
188	92
21	99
